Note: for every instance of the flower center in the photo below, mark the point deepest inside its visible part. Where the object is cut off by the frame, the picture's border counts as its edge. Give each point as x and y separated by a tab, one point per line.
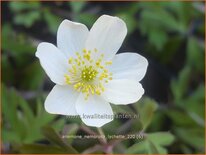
88	72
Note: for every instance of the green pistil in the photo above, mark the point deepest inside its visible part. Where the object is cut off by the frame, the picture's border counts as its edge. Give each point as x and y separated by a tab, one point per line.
88	73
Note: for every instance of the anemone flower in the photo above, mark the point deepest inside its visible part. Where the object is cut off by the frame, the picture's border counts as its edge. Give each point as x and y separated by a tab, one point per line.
88	73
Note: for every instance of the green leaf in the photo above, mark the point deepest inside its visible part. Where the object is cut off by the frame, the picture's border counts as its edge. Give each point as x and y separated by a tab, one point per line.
77	6
186	149
9	136
18	43
25	13
58	124
172	45
153	143
146	147
52	136
24	106
42	117
70	129
152	149
161	138
139	147
136	125
175	116
12	115
20	6
122	109
86	18
7	68
158	120
27	19
18	116
158	38
180	86
195	55
192	136
162	18
33	76
195	104
184	12
41	149
110	128
161	150
146	108
52	20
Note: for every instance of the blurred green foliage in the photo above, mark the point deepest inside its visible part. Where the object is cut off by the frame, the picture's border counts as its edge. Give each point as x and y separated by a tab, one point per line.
153	144
22	124
172	35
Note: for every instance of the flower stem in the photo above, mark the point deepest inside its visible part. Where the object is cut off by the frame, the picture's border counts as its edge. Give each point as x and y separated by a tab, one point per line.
101	133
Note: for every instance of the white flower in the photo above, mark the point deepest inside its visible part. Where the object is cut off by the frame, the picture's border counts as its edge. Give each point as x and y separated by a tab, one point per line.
88	74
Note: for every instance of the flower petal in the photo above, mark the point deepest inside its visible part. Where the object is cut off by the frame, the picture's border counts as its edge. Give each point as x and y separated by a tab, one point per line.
107	35
129	65
124	91
94	111
71	37
53	62
61	100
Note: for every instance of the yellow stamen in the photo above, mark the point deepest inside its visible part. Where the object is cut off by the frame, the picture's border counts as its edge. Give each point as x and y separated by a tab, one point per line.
86	75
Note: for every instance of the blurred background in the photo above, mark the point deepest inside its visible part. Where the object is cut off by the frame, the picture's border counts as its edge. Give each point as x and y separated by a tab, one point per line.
169	34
